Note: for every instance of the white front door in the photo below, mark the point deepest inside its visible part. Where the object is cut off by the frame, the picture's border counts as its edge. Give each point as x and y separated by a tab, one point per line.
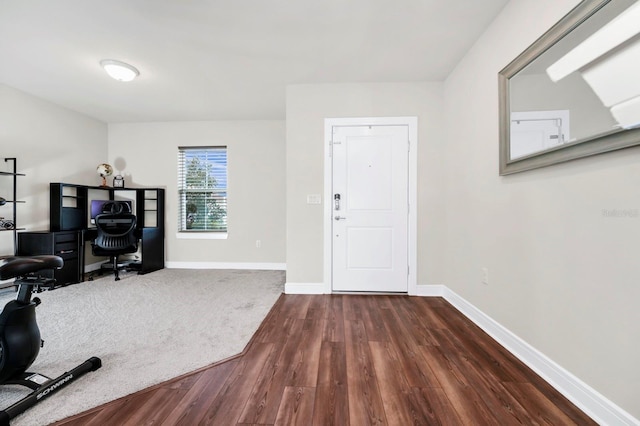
370	182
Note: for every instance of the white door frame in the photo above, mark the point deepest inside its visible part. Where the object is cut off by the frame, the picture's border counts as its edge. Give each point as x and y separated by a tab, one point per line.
412	123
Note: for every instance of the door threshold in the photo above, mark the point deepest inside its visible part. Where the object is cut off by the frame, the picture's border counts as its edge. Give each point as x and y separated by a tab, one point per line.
372	293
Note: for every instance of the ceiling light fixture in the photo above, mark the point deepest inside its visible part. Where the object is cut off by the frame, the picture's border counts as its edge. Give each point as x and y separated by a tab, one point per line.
119	70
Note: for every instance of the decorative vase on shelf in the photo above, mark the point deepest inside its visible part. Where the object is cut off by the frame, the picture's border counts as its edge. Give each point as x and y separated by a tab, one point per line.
104	170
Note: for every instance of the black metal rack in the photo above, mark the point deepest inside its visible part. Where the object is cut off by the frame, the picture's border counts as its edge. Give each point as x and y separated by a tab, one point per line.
14	202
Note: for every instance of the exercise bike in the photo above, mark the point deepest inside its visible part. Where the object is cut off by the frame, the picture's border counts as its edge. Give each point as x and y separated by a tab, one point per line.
20	340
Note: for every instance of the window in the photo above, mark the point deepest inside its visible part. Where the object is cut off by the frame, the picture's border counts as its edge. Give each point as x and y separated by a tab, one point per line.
202	187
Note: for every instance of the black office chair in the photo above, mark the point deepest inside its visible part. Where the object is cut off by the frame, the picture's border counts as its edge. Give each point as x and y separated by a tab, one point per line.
116	234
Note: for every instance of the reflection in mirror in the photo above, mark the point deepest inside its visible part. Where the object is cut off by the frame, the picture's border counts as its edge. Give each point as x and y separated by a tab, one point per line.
578	85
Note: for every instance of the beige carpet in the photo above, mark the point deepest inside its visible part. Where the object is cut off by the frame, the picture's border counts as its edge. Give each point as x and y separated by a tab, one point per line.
145	328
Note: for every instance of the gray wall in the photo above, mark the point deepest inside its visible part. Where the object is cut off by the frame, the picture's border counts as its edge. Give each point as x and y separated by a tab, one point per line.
307	107
51	144
146	154
561	243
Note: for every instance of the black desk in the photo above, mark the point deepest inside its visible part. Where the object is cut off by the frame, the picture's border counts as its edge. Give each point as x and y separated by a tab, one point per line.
70	233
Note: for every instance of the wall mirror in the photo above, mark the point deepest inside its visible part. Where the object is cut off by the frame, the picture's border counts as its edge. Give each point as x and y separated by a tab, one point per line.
574	92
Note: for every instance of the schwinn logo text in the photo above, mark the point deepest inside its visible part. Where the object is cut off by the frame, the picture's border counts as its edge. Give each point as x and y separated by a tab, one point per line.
54	387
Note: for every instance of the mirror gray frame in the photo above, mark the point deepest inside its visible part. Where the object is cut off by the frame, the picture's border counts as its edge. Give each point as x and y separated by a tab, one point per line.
599	144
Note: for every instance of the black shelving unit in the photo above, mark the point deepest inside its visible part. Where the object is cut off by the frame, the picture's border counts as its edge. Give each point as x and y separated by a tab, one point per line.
68	206
150	213
13	202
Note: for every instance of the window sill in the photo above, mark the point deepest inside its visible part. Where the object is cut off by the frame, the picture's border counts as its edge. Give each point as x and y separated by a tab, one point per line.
202	235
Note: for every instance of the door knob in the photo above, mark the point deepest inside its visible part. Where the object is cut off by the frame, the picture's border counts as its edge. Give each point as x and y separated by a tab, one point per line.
339	217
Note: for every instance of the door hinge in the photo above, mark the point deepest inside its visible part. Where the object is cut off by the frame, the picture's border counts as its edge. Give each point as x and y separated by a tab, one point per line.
331	144
408	270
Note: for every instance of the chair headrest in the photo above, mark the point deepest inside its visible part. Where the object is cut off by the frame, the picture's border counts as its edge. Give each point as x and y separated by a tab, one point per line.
116	207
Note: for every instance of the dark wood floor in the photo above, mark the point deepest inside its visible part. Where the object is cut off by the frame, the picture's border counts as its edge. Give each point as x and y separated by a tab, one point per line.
358	360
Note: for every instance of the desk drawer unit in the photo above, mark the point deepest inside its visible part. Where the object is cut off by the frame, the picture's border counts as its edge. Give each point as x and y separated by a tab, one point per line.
66	244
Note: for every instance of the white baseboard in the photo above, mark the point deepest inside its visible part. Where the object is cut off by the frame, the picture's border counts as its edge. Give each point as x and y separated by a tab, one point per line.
304	288
599	408
93	267
227	265
429	290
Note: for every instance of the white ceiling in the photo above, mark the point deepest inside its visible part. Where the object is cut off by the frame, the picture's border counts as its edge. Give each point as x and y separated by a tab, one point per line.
217	59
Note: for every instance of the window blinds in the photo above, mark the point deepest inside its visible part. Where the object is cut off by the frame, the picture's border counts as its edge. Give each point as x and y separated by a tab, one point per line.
202	187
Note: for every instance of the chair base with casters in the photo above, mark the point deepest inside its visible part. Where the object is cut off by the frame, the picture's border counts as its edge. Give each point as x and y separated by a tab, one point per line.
115	265
20	340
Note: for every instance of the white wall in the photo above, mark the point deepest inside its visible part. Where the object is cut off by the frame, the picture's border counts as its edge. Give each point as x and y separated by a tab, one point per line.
51	144
564	273
146	154
307	107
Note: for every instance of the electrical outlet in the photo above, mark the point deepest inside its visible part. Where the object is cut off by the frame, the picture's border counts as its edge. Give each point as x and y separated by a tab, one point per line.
485	276
258	243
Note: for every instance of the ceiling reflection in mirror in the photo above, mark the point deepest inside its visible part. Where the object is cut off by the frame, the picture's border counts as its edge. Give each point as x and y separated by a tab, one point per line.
583	86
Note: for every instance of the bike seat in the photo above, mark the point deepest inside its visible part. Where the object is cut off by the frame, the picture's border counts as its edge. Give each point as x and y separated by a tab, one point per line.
16	266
